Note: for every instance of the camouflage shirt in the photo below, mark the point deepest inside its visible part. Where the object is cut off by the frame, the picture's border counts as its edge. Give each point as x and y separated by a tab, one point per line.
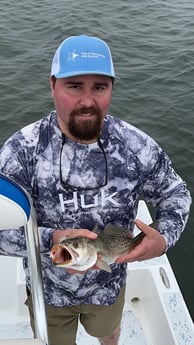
100	183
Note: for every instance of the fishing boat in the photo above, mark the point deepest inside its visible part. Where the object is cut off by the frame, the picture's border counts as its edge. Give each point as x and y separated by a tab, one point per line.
155	312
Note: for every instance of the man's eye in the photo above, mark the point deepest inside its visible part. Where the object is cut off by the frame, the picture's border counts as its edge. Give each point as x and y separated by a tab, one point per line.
74	86
100	87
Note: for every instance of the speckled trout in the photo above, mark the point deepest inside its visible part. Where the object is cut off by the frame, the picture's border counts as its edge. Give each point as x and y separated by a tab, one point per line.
82	253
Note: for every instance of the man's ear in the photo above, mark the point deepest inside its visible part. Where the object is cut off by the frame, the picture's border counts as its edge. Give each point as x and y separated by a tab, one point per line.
52	83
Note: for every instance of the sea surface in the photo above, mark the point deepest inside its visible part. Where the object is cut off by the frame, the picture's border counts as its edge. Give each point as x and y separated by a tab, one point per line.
152	43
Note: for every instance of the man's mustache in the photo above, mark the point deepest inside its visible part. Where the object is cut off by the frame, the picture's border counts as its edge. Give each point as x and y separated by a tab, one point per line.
86	110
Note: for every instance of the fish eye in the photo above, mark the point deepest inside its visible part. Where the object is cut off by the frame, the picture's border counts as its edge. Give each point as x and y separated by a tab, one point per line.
76	244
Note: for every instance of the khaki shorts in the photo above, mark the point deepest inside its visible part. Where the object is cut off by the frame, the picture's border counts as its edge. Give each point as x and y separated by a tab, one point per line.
98	321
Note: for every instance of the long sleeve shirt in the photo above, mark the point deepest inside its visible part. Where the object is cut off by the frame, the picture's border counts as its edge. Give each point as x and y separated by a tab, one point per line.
98	185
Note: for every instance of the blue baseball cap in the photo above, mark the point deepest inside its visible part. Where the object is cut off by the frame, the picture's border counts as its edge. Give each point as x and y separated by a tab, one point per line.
79	55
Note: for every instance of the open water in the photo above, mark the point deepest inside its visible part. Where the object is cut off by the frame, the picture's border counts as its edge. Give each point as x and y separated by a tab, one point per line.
152	43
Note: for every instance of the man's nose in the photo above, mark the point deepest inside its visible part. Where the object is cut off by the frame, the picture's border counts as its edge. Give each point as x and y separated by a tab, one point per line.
87	100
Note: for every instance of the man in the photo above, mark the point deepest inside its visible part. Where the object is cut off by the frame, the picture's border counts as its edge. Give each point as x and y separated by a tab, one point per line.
82	167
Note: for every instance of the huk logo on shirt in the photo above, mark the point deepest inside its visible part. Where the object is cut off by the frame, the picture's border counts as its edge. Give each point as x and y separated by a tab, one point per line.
79	200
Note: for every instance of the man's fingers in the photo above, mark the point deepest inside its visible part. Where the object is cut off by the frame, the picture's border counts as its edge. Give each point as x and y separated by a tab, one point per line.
58	235
72	233
144	227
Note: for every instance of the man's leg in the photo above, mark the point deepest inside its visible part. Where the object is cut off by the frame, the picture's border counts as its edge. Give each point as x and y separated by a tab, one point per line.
112	339
103	322
62	323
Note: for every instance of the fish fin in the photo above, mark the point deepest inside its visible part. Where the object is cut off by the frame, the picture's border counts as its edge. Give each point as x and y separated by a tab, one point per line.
103	265
95	229
154	224
108	227
112	230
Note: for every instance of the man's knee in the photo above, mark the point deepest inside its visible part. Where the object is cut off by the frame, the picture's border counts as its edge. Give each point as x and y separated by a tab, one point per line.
111	339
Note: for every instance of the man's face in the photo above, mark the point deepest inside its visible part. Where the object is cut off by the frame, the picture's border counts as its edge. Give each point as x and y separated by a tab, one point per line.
81	103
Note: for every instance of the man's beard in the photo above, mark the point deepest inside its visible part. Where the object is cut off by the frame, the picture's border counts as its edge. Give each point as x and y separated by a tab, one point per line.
87	129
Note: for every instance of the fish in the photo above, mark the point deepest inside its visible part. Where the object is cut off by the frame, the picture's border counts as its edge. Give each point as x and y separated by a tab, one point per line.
82	253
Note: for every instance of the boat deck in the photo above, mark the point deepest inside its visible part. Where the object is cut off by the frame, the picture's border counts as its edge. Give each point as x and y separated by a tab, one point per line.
129	334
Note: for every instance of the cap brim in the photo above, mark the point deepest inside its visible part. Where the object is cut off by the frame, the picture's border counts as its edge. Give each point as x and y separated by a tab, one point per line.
77	73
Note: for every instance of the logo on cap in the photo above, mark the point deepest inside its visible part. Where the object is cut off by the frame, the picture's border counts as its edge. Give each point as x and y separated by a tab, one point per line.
84	55
72	55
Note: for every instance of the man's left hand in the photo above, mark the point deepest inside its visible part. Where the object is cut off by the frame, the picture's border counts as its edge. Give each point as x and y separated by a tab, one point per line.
152	245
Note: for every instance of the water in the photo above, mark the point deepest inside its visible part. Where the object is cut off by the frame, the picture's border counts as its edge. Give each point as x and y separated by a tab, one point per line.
152	46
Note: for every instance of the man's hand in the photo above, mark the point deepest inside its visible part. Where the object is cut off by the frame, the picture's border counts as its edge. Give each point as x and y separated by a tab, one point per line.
58	235
152	245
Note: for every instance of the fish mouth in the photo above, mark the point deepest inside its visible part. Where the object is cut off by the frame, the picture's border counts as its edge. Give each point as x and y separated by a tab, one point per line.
61	255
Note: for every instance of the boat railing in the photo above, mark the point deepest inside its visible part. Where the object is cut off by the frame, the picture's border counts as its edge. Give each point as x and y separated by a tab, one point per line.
16	210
